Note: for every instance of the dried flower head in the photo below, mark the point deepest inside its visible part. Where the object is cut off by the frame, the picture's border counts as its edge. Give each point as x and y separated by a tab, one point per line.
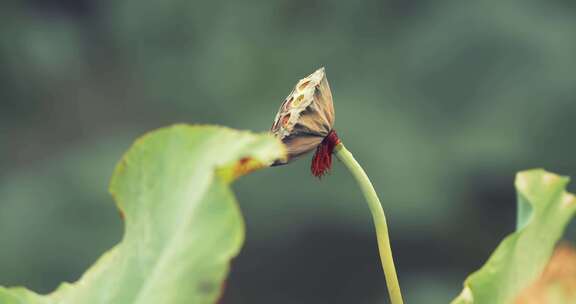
305	122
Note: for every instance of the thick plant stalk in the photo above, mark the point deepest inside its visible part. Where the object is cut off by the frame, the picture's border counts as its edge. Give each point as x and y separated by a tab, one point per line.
379	221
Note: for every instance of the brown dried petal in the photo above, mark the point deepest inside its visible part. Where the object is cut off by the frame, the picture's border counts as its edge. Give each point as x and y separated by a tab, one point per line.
557	281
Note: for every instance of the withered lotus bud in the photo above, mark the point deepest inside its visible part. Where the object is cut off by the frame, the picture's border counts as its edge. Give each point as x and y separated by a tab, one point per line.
305	122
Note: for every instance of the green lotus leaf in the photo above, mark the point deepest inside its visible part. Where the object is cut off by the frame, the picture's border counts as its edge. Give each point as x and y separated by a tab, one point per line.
182	222
545	209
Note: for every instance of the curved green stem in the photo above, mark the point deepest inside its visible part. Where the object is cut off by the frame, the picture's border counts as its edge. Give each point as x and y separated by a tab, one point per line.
379	221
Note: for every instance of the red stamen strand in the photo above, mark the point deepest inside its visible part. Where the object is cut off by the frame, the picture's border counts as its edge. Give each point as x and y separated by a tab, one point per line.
322	160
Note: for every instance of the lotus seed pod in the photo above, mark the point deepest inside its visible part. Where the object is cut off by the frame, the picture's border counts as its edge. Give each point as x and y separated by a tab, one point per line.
306	117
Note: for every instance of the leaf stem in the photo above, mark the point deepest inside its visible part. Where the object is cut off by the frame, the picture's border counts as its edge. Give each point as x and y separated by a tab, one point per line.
379	221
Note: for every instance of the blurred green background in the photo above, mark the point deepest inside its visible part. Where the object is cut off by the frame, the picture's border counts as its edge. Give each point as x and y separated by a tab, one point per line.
441	101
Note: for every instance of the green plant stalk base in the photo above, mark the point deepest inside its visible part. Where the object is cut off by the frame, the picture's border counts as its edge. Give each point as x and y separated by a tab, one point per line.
379	221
